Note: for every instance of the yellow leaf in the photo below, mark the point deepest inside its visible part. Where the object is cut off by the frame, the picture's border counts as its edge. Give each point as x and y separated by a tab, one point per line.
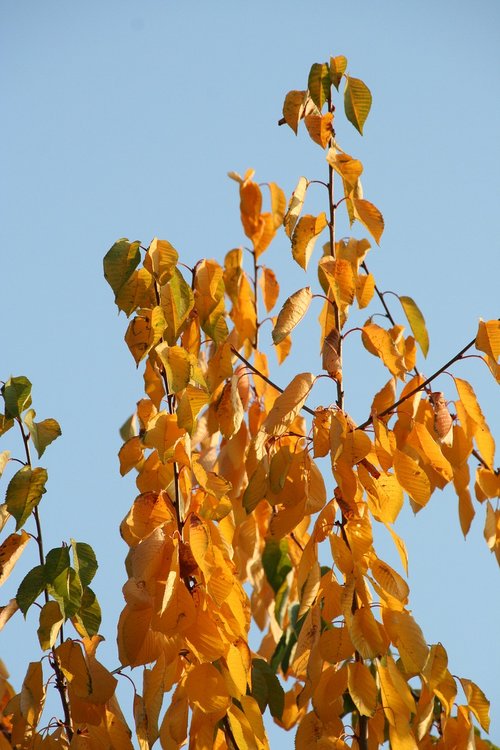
369	216
389	580
477	702
293	108
163	433
367	634
178	366
349	169
131	453
319	128
429	451
408	638
357	102
335	645
229	408
436	665
51	621
295	206
206	689
139	335
482	434
337	276
283	349
278	204
365	286
412	478
331	361
288	404
318	83
338	65
304	237
291	313
11	550
378	341
488	338
362	688
189	406
270	288
161	259
417	323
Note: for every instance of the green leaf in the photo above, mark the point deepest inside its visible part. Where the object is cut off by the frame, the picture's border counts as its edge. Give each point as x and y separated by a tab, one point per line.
319	84
42	433
24	492
17	396
128	429
85	561
417	323
267	689
281	600
57	561
5	424
338	66
120	262
30	588
177	301
357	102
51	620
89	614
276	562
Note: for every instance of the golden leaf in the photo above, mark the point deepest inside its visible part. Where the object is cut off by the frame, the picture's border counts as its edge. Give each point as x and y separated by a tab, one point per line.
389	580
417	323
337	276
365	286
331	361
367	634
379	342
335	645
293	108
482	434
369	216
357	102
270	288
477	702
11	550
305	234
206	689
349	169
161	259
288	404
295	206
412	478
291	313
338	66
362	688
320	128
408	638
488	338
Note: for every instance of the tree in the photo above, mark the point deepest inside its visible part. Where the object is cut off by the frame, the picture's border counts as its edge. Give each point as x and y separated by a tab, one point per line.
242	485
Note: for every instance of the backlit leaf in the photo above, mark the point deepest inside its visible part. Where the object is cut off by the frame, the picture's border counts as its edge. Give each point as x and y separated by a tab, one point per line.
295	206
120	262
338	66
412	478
293	108
362	688
206	689
304	237
417	323
488	338
42	433
288	404
17	396
30	588
270	288
319	84
369	216
11	550
357	102
51	620
478	703
84	561
24	492
320	128
161	259
291	313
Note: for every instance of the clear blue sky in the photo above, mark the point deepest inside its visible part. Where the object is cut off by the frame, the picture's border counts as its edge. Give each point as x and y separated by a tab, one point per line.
122	118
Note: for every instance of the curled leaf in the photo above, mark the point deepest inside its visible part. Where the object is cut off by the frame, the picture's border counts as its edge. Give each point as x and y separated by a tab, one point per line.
304	237
291	313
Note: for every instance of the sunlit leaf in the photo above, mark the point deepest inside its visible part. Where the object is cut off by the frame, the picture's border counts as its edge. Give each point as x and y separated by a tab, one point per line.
42	433
120	262
291	313
320	128
24	492
17	396
161	259
11	550
295	206
288	404
362	688
293	108
369	216
417	323
304	237
357	102
338	66
30	588
270	288
319	84
51	620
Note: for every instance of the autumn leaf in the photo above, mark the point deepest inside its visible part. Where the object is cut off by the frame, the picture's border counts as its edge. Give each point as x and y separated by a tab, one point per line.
319	84
305	234
417	323
288	404
291	313
357	102
338	66
295	206
293	108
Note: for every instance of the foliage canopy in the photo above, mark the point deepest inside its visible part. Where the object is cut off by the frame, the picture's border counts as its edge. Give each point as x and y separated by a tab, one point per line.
242	482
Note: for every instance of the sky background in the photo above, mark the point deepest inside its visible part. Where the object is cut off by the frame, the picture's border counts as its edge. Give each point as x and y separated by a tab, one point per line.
123	119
